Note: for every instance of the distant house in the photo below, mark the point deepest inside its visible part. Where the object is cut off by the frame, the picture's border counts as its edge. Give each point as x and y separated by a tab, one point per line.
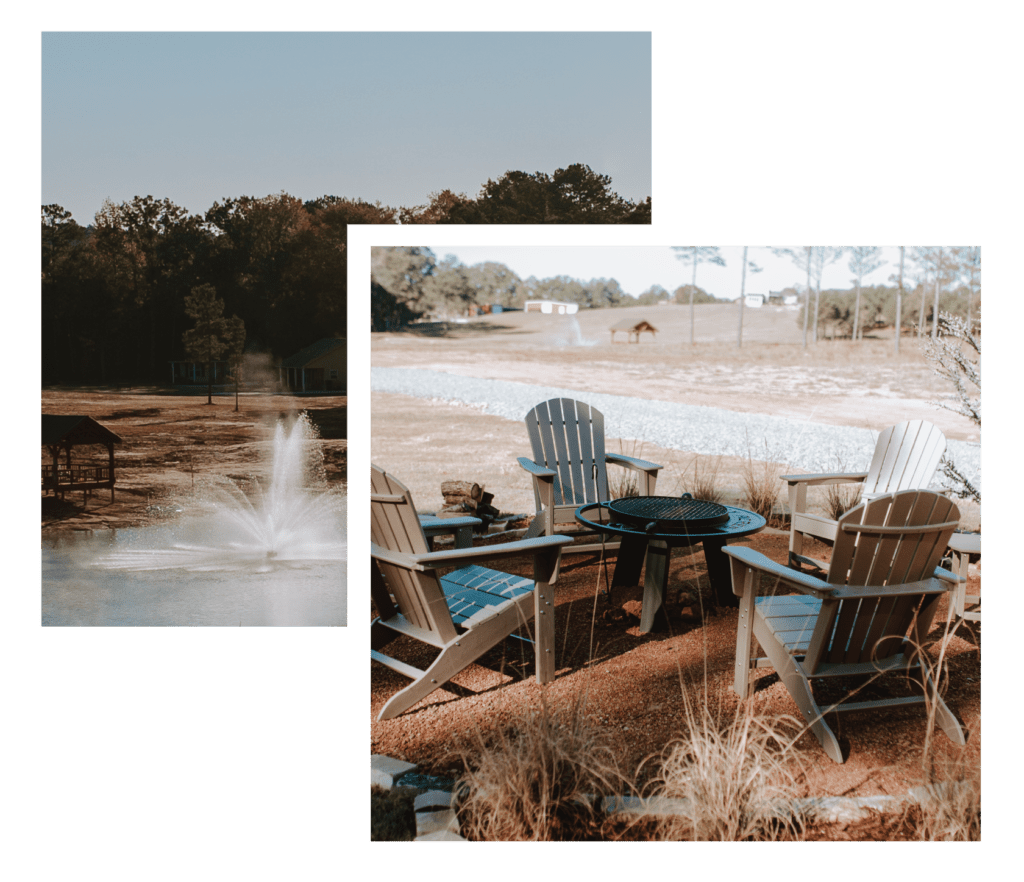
319	367
553	307
754	300
785	297
633	329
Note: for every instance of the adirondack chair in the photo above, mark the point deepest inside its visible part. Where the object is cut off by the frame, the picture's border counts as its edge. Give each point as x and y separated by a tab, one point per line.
463	613
906	457
870	615
961	547
569	465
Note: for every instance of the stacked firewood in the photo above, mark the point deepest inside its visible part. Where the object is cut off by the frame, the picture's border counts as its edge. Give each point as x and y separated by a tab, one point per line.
467	498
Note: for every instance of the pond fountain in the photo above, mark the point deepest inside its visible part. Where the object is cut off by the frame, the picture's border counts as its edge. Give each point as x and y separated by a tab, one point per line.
571	334
272	553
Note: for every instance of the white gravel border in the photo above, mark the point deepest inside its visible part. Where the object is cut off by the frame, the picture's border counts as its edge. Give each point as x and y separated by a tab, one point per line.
800	444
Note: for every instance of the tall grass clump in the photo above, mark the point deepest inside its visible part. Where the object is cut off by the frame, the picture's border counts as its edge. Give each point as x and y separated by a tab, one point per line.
542	779
761	483
624	482
952	810
731	779
703	482
840	498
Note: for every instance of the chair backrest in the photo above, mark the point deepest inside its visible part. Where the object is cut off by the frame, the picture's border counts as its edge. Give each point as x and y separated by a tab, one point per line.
417	596
906	457
393	523
891	540
567	437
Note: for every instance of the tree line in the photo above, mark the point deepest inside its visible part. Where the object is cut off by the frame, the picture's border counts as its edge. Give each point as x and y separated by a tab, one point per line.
410	283
115	291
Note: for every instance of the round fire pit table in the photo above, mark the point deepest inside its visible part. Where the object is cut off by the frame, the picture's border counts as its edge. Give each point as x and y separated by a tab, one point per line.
653	532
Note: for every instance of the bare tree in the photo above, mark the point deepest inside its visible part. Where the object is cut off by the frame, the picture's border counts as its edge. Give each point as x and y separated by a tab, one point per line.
754	268
800	256
956	355
864	260
935	263
816	258
899	301
822	256
697	254
968	260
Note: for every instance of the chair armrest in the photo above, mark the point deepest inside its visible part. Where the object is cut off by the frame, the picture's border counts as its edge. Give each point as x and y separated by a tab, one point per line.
826	478
458	557
799	580
925	586
432	524
538	471
631	462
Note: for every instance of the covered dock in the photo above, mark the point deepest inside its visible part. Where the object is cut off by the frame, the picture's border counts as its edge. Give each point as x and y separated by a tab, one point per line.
634	329
63	433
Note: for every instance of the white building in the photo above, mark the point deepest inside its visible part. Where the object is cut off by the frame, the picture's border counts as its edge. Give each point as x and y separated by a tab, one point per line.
553	307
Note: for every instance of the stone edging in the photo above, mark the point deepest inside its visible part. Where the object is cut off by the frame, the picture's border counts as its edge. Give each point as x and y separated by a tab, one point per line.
436	820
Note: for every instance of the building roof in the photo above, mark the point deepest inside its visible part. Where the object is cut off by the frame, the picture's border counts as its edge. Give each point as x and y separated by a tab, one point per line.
67	429
314	350
630	325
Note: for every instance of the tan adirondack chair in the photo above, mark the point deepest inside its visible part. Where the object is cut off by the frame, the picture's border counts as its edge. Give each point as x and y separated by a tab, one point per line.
462	613
870	614
569	465
961	547
906	457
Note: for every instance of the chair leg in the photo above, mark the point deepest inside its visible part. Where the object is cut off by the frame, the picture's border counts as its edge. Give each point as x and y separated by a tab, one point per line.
461	652
746	577
540	525
797	503
796	682
944	717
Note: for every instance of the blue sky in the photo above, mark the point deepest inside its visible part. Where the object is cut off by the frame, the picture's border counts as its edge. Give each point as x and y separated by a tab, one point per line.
197	117
636	268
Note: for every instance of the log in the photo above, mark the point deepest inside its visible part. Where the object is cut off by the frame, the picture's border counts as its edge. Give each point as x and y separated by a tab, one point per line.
460	499
462	488
453	511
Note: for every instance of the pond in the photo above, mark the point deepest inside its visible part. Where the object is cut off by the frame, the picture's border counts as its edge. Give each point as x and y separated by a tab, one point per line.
195	572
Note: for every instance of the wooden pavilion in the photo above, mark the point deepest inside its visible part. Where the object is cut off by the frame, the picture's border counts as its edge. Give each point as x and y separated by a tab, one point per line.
61	434
633	329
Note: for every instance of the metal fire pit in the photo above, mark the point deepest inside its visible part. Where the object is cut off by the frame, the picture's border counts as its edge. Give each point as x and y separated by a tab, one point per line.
668	514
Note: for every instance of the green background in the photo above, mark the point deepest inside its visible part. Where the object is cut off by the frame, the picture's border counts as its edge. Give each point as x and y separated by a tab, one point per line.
202	753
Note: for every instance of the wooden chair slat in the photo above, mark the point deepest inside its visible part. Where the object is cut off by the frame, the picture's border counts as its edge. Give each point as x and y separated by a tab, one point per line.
883	602
905	457
567	437
463	612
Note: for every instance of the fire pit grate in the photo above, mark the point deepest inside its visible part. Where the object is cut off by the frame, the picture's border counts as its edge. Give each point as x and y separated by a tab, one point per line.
668	514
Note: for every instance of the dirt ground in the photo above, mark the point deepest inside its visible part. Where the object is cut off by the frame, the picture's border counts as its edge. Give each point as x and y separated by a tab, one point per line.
633	681
633	685
169	441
